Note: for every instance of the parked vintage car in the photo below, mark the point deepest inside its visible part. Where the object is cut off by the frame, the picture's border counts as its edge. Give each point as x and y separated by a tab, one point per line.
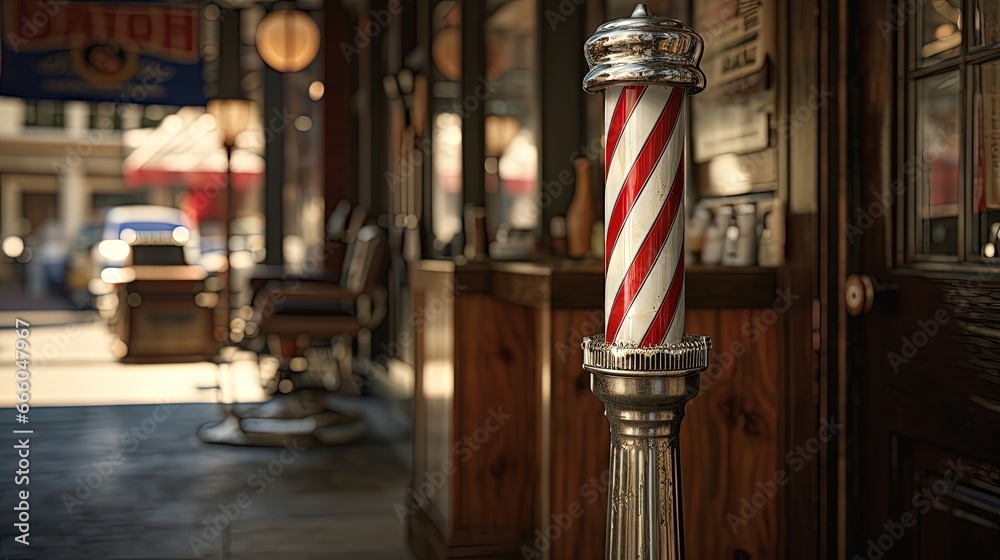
143	225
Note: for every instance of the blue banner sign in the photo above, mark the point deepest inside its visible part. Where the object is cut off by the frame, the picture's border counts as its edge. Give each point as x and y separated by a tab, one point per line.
123	52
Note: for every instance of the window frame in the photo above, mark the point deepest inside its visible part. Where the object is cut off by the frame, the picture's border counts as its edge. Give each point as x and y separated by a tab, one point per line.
905	214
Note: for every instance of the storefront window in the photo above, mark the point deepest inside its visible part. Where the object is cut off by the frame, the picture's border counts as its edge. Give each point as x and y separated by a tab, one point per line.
511	149
986	23
985	86
937	180
446	125
939	35
952	77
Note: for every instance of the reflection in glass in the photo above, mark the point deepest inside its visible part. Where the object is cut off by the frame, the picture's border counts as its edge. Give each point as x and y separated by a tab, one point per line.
446	130
939	30
985	85
446	137
511	166
518	169
986	23
446	47
937	174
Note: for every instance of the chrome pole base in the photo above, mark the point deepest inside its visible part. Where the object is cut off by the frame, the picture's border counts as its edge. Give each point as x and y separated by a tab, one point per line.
644	405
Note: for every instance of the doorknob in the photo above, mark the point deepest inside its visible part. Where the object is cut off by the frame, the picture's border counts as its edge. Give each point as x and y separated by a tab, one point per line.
859	293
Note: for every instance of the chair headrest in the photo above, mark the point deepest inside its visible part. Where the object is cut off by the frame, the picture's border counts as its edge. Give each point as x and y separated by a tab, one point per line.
368	233
336	225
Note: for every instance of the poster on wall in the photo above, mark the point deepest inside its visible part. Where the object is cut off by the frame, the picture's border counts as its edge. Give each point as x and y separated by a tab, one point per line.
733	115
124	52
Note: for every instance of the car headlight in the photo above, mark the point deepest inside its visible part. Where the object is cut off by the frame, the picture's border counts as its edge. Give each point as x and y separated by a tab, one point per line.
181	235
114	249
117	275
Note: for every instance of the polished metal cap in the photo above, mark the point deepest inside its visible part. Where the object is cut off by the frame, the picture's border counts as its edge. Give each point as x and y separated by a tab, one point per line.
689	356
644	50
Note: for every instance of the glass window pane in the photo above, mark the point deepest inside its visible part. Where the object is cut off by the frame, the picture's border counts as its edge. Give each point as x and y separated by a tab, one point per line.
446	137
446	127
511	166
938	31
986	23
985	86
938	153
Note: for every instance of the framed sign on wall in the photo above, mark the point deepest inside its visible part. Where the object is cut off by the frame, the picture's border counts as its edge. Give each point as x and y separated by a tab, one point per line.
736	113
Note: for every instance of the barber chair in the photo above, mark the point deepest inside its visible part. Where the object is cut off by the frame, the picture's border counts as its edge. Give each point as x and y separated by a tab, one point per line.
342	229
309	326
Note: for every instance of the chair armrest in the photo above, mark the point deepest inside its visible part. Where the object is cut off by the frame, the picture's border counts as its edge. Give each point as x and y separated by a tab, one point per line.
264	275
311	291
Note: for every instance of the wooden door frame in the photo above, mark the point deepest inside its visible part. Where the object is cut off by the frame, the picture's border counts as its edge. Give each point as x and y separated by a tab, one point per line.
848	197
866	82
839	190
810	49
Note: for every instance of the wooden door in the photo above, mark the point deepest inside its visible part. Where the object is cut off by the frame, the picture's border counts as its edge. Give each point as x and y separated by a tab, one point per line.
922	235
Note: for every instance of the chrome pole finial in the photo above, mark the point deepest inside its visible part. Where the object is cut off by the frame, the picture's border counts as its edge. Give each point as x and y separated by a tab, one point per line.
644	50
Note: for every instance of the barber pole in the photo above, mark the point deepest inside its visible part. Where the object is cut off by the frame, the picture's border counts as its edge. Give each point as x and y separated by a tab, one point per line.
644	244
644	368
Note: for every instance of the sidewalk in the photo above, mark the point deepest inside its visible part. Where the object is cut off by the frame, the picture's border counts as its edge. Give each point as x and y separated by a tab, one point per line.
13	299
46	311
49	318
72	365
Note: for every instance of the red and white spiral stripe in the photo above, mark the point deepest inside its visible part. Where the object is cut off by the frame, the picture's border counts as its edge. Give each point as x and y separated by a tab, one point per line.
643	215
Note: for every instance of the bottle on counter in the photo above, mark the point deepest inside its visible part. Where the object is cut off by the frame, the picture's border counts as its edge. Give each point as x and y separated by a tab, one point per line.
580	216
557	235
711	250
740	246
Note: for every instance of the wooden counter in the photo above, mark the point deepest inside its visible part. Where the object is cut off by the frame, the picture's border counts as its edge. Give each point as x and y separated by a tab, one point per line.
166	314
507	336
475	480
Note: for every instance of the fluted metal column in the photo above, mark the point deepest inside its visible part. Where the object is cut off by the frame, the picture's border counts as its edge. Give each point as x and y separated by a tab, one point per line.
644	391
644	375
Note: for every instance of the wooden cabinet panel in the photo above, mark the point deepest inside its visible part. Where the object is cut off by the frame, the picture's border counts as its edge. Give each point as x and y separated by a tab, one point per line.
432	434
729	439
495	418
475	482
580	439
160	320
